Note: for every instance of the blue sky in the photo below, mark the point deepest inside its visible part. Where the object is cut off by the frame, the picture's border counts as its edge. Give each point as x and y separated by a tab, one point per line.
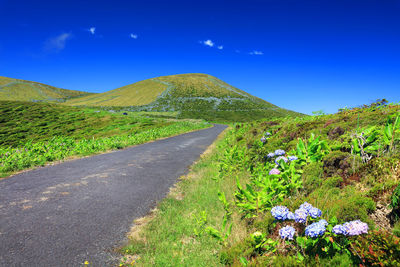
301	55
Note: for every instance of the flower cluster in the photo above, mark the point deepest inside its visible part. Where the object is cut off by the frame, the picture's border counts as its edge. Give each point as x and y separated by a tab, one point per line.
356	227
271	155
280	212
316	229
292	158
280	158
274	171
287	232
265	137
279	152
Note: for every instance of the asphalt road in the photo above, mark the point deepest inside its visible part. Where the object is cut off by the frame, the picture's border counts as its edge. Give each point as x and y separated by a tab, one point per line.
79	210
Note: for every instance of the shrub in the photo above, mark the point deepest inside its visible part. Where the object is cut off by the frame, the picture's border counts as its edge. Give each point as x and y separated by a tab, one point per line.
379	248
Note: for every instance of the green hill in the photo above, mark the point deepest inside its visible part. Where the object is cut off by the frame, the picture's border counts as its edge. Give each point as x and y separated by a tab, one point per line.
192	95
21	90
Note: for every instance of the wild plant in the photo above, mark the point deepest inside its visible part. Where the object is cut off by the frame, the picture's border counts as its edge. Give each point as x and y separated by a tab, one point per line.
312	150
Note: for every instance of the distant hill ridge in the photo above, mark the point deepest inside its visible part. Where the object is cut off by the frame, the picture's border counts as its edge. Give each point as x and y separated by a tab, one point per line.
192	95
21	90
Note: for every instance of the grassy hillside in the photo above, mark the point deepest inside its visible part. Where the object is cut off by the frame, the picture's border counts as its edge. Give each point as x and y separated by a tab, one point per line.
346	165
21	90
32	134
192	95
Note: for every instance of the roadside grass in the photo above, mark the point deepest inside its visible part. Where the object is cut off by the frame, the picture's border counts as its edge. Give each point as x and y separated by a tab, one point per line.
168	238
33	134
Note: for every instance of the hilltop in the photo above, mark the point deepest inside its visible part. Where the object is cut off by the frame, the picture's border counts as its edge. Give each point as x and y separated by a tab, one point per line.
21	90
193	95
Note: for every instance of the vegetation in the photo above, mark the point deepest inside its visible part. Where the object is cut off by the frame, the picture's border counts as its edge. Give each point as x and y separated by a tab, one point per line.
344	166
33	134
192	95
21	90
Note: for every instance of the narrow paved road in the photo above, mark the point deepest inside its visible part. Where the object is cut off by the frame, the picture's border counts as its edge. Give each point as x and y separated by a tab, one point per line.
80	210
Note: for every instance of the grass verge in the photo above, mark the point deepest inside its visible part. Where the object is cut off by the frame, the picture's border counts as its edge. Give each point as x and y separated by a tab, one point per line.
174	234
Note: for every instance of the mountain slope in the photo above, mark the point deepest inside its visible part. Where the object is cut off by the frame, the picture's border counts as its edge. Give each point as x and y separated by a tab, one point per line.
21	90
193	95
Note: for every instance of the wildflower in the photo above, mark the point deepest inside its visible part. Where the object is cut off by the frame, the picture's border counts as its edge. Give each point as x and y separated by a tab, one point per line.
290	215
279	152
306	206
315	229
263	139
287	232
340	229
281	158
274	171
356	227
315	212
267	134
300	215
86	263
292	158
280	212
271	155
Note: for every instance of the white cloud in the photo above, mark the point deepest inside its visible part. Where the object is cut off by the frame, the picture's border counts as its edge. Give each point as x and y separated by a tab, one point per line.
220	47
257	53
208	43
56	44
92	30
133	36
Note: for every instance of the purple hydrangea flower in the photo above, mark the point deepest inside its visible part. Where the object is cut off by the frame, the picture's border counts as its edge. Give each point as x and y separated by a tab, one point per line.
315	229
263	139
356	227
300	215
279	152
271	155
340	229
315	212
292	158
279	158
290	215
280	212
267	134
306	206
274	171
287	232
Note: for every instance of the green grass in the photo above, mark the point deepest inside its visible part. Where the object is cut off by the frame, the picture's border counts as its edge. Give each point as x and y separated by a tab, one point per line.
23	121
21	90
32	134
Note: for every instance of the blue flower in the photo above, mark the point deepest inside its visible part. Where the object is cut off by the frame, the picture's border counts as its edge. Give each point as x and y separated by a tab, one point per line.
263	139
281	158
306	206
300	215
292	158
287	232
340	229
323	222
280	212
315	212
315	229
279	152
290	215
271	155
267	134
